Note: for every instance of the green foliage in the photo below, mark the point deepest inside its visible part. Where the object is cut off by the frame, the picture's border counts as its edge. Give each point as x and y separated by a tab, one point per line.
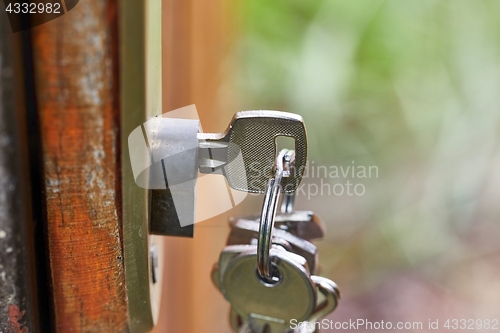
410	86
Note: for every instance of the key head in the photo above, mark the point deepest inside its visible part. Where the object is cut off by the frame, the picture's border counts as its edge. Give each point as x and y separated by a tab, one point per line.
293	297
252	134
235	276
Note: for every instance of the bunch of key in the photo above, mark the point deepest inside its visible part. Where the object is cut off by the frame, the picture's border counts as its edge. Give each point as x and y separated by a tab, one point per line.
267	271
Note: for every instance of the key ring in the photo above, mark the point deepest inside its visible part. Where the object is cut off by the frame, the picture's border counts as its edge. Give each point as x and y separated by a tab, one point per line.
283	168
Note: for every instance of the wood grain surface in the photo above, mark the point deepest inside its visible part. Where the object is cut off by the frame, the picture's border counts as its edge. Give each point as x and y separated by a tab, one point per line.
75	66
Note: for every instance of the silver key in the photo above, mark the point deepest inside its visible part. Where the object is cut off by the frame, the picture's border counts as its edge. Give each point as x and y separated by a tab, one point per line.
228	253
326	287
260	304
245	231
252	134
302	223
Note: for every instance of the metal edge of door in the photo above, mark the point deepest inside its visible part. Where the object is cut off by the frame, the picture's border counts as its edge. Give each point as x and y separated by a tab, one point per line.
140	97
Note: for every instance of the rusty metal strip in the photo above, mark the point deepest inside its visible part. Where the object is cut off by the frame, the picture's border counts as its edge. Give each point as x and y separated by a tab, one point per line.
140	83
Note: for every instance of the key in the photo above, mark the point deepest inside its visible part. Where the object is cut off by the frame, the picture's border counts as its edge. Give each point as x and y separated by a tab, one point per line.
252	300
232	251
228	253
327	307
267	284
169	152
302	223
252	135
244	231
292	296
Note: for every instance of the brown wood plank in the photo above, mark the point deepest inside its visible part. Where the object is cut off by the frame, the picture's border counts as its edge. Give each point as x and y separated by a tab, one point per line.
75	69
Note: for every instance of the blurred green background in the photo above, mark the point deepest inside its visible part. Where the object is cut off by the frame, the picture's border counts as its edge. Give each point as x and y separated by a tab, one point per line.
411	87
